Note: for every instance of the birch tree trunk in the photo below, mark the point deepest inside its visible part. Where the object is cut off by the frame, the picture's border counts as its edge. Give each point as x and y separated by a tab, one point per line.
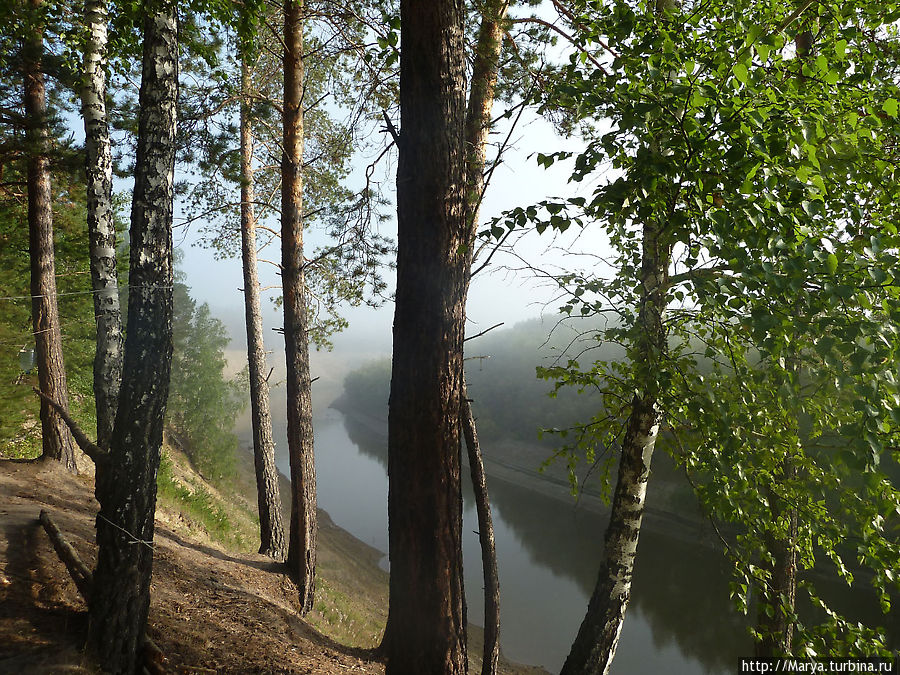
777	630
477	128
271	527
126	476
56	441
427	618
595	645
101	228
304	528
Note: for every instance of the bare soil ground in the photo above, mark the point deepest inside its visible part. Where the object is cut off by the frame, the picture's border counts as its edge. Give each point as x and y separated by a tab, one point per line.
211	611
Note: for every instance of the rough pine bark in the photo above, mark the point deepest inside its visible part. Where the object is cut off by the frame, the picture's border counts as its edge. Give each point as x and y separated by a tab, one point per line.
57	443
271	526
477	128
101	227
304	528
595	645
427	618
126	476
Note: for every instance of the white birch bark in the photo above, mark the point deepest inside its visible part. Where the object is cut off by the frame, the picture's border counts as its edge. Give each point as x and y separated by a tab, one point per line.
126	477
595	645
101	228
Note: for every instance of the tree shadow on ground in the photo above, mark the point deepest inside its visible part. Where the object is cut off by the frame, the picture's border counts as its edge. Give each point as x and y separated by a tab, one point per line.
44	619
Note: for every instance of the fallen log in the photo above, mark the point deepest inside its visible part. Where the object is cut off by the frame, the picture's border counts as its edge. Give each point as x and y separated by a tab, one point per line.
152	657
81	575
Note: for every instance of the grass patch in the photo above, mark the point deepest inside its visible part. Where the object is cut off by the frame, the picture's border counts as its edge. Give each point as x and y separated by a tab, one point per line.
343	618
24	444
224	521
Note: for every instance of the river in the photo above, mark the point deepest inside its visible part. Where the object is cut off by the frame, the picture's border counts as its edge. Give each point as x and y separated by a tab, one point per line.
679	621
548	552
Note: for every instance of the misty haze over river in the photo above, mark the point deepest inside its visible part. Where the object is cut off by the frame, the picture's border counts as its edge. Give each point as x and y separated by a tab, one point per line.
548	554
680	619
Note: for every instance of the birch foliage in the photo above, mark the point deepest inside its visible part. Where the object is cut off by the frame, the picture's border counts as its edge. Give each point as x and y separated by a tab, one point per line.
777	179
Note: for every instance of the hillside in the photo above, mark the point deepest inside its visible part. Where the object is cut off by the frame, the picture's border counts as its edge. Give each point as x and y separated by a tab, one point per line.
214	609
211	609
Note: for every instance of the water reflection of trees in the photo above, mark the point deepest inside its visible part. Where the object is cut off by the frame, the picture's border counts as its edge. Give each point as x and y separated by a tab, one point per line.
369	442
681	584
680	587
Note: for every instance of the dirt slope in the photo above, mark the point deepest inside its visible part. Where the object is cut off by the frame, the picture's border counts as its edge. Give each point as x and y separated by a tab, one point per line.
212	611
225	612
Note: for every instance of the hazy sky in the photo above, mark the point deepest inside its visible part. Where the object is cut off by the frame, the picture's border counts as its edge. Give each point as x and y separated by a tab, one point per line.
498	294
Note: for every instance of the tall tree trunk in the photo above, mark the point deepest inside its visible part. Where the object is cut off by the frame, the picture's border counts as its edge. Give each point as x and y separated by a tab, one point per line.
481	101
56	441
491	653
126	477
104	276
477	128
595	645
777	630
304	529
271	527
427	618
779	598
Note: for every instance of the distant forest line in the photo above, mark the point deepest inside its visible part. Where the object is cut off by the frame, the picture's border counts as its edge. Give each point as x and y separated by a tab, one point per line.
508	398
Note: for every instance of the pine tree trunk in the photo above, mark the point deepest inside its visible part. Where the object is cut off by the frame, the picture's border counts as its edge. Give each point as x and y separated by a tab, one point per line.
491	654
126	478
477	128
304	529
56	441
481	101
427	618
595	645
271	527
104	276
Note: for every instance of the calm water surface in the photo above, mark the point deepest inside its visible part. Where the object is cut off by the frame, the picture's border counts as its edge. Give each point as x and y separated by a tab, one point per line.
678	621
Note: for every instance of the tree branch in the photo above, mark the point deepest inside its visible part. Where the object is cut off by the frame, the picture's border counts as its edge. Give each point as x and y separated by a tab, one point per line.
486	330
570	38
577	24
707	273
152	657
390	128
91	449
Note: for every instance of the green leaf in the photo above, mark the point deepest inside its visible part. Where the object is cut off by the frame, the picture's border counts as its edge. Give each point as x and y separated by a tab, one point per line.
890	107
831	263
878	275
840	48
740	72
